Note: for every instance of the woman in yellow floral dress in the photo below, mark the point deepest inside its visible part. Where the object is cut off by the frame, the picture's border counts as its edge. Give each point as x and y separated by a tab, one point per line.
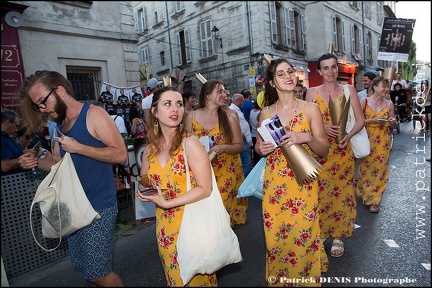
336	182
164	169
373	169
212	119
290	211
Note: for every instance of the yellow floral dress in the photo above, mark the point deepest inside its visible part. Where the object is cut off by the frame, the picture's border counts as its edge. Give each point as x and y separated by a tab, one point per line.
228	173
294	249
173	178
336	185
373	169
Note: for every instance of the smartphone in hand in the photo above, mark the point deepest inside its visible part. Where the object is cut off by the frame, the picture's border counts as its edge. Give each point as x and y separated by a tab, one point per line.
148	191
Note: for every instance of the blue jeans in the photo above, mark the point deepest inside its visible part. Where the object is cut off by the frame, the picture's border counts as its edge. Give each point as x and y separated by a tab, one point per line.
246	159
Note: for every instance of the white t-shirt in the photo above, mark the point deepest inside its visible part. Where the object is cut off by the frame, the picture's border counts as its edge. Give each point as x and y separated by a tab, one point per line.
120	123
244	125
362	94
146	102
253	120
402	82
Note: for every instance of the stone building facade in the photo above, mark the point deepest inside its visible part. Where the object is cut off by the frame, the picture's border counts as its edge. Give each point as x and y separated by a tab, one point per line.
128	42
178	34
90	42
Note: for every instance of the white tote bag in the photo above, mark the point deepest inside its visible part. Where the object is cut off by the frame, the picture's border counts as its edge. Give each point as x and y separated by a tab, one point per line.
206	241
64	205
360	141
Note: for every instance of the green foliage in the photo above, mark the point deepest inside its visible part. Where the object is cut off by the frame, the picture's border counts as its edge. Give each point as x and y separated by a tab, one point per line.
409	69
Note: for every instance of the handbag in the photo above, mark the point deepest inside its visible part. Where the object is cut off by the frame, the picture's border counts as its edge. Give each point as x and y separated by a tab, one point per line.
359	142
206	241
63	203
253	183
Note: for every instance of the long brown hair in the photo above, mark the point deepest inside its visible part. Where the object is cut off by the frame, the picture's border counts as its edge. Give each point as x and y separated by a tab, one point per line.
152	137
270	93
224	123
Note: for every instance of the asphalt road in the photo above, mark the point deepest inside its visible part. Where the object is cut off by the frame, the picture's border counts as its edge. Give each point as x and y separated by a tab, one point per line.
390	248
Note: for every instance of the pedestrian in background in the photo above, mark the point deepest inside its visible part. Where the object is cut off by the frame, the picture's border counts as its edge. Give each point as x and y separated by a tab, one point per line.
298	91
336	181
152	86
119	122
290	211
246	155
11	150
189	99
426	113
137	127
164	168
374	170
91	137
247	106
367	83
398	79
254	120
212	118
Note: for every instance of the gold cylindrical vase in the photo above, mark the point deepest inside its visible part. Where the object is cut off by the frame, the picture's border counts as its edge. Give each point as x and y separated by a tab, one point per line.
303	165
339	115
389	74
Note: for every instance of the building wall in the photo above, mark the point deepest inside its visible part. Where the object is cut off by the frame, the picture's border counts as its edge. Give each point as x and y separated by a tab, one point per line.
244	37
96	34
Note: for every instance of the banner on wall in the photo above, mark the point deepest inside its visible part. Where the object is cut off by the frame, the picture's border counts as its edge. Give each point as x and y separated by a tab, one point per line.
396	39
118	95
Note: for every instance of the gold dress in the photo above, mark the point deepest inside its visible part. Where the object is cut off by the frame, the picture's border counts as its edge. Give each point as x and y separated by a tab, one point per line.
294	249
228	173
173	178
336	185
373	169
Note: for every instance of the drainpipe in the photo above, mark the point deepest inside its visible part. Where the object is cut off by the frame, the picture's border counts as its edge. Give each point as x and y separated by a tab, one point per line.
364	37
169	34
249	32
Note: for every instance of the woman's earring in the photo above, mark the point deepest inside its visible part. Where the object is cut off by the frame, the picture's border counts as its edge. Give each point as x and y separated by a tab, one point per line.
181	126
156	127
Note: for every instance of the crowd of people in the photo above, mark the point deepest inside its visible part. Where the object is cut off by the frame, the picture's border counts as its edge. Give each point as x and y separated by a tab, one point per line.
297	217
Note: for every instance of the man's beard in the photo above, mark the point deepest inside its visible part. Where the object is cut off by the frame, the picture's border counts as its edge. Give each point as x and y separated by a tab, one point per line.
60	109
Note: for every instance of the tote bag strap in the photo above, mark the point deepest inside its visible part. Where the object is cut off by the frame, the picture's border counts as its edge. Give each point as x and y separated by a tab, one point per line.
346	91
60	225
188	183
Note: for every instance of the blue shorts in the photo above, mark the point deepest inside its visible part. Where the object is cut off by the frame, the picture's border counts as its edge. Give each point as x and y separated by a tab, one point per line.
91	247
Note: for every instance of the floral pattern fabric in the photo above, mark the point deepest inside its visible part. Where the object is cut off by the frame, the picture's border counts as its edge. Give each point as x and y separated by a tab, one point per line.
336	185
373	169
172	177
294	249
228	173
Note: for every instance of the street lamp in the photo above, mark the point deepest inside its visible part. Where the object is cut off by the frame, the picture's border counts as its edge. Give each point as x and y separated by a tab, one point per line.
215	34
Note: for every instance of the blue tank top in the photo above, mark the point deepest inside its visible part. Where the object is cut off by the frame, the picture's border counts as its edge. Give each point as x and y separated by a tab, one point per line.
96	177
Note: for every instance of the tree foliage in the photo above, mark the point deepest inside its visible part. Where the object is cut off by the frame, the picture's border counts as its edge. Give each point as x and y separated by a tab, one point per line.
409	69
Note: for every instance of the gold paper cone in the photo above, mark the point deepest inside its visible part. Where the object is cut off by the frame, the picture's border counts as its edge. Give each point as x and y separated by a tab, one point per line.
144	180
267	58
389	74
212	155
200	78
167	81
339	115
331	49
303	165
